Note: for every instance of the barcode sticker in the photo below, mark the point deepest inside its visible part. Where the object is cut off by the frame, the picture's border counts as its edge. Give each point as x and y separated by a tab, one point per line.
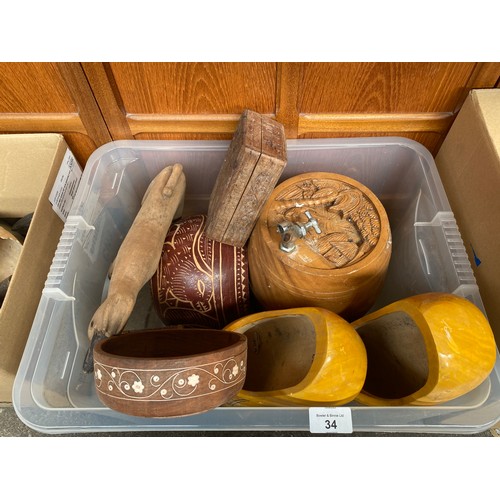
64	190
330	420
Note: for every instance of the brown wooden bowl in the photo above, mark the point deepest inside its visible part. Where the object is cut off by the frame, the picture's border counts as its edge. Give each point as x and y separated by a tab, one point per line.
169	372
199	282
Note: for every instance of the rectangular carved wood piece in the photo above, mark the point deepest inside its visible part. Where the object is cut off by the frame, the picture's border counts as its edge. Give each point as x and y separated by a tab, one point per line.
250	171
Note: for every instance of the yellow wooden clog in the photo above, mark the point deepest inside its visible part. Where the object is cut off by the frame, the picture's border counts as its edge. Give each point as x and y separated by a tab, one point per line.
300	356
425	350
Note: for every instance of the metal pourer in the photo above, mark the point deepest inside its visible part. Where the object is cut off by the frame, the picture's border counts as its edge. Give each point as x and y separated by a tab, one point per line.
290	231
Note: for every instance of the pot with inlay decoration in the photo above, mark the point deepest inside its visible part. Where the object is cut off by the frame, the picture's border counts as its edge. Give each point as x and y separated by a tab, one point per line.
169	372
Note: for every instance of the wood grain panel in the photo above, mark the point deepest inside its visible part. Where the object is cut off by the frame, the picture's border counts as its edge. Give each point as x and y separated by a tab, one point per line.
40	122
33	88
181	136
373	122
187	100
195	88
383	87
52	98
289	81
92	103
88	110
485	75
107	95
208	124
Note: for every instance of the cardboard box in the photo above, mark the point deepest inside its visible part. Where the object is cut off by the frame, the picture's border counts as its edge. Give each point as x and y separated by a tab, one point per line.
469	165
29	165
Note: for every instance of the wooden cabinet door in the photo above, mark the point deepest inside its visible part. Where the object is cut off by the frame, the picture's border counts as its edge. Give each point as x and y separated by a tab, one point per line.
180	100
92	103
51	97
415	100
204	100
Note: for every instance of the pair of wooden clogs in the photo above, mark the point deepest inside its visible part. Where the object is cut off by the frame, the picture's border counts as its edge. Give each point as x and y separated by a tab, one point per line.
422	350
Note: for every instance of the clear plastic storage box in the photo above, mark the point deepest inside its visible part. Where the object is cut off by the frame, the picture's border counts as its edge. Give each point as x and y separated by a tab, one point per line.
52	394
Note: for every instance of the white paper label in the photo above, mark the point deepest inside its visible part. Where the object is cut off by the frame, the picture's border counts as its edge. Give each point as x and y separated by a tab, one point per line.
330	420
64	190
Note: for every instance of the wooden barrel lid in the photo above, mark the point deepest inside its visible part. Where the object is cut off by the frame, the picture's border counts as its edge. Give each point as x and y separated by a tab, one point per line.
348	215
324	240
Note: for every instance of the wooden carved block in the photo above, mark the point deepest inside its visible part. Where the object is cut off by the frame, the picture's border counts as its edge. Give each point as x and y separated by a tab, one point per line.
251	169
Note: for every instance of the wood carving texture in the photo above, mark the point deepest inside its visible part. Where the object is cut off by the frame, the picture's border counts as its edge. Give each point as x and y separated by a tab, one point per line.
253	165
340	269
196	88
140	251
199	282
350	224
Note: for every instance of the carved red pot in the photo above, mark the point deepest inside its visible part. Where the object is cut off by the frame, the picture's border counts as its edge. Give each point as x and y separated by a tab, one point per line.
200	282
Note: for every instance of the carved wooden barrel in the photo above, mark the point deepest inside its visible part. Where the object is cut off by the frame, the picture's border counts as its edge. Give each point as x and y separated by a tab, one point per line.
200	282
322	240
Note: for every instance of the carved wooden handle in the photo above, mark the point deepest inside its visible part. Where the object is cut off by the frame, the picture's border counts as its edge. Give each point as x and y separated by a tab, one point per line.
139	253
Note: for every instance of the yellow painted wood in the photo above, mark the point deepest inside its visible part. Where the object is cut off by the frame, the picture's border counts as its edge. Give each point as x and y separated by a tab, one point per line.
338	369
459	343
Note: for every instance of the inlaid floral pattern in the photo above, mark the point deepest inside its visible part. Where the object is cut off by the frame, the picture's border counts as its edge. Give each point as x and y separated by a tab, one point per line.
137	386
169	384
193	380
